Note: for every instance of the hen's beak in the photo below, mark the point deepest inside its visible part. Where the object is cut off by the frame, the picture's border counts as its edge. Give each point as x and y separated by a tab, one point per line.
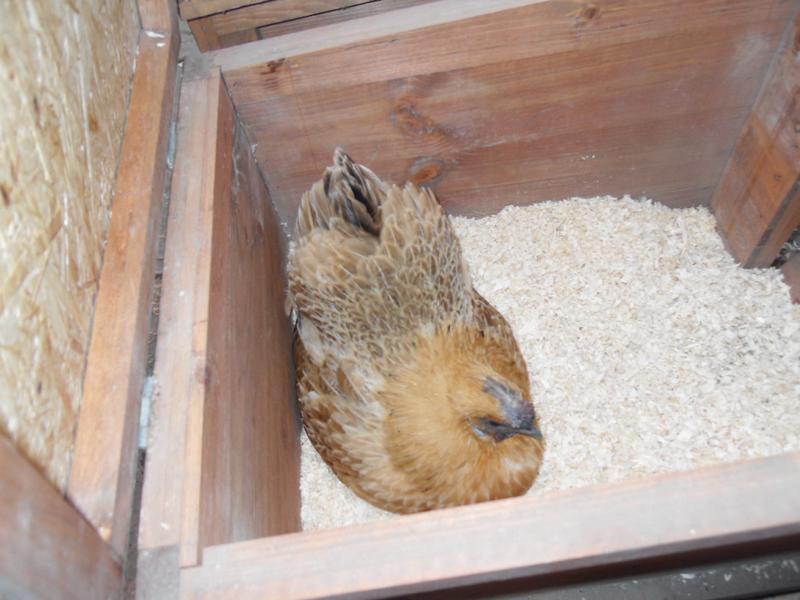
532	431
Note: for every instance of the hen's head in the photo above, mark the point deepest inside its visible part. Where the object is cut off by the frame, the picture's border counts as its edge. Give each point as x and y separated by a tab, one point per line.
461	421
499	411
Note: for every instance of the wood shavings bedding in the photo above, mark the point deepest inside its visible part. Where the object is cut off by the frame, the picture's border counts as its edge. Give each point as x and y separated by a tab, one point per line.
649	349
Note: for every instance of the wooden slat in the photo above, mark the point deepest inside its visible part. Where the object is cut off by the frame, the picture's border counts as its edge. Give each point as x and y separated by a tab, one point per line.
223	456
791	275
275	11
757	201
192	9
47	549
538	102
707	509
374	7
103	468
158	15
204	34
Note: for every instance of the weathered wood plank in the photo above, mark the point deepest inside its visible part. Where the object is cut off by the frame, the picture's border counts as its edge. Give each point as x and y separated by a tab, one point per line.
707	509
757	201
374	7
275	11
538	102
47	549
103	468
192	9
223	456
250	484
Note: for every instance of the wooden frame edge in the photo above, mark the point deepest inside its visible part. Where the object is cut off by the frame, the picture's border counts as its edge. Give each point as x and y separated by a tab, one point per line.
757	200
357	30
46	546
102	476
700	511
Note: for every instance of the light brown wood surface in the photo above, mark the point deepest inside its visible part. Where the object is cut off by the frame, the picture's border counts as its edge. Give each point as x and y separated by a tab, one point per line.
374	7
47	549
543	101
757	202
707	509
103	468
191	9
223	456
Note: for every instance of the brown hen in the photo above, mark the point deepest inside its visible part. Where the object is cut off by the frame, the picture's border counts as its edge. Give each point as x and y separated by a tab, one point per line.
411	385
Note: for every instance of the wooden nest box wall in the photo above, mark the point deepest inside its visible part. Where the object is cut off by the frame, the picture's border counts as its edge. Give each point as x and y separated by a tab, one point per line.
491	103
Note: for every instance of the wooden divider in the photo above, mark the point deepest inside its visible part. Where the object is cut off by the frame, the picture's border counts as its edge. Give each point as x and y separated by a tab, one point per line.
223	453
757	201
509	102
706	510
103	472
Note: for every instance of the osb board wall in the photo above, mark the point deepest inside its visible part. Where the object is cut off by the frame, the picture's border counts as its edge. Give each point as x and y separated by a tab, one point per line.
65	71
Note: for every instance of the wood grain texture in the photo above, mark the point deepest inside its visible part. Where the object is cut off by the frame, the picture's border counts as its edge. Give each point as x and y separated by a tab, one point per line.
757	201
223	24
374	7
47	548
192	9
223	456
542	101
160	16
250	485
791	275
708	509
103	468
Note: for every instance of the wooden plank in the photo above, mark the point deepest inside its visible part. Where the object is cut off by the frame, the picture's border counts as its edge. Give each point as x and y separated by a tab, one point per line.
174	442
223	456
46	547
192	9
791	275
757	201
158	16
250	485
205	34
704	510
374	7
537	102
358	30
275	11
103	468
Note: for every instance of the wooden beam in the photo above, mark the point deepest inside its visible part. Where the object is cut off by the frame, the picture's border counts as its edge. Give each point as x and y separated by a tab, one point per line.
374	7
192	9
275	11
159	16
47	548
540	101
359	30
704	510
223	455
757	201
103	468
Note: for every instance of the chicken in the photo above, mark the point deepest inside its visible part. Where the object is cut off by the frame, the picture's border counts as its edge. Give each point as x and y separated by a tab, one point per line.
411	386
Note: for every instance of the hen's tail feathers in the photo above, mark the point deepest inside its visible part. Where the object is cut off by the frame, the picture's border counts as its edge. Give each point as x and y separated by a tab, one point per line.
347	191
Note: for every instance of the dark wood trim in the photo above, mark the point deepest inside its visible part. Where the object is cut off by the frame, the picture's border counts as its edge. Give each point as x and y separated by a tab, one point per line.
47	549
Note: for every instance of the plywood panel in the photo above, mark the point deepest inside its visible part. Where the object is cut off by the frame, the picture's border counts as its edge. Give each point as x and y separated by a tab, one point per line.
64	86
47	549
705	510
223	456
757	201
543	101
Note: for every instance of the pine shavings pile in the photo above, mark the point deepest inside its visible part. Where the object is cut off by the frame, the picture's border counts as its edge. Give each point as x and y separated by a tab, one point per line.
649	349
